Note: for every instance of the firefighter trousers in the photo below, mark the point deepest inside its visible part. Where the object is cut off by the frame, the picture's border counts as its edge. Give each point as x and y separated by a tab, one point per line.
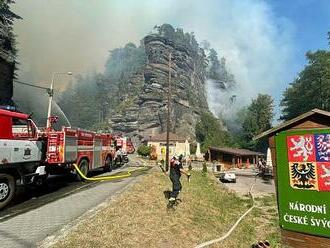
176	186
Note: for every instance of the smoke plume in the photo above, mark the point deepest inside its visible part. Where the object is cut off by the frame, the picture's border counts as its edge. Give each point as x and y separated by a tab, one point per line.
76	35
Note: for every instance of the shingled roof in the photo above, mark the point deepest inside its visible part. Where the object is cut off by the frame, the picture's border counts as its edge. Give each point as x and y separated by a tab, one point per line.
236	151
317	112
162	138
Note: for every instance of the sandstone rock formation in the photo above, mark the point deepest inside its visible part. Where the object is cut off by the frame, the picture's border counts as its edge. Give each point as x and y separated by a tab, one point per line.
143	109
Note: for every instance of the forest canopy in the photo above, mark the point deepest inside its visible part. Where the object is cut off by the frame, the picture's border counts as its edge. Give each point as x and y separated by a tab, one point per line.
311	89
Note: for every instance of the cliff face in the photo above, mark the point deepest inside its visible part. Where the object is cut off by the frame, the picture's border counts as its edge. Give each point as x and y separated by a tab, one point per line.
143	109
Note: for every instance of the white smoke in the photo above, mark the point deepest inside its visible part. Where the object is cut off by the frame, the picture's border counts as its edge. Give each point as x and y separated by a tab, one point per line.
222	103
76	35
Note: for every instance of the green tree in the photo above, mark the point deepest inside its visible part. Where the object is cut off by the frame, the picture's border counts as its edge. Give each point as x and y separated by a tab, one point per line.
123	62
178	36
7	52
88	102
214	63
209	132
7	37
311	89
84	102
204	170
256	118
144	150
166	30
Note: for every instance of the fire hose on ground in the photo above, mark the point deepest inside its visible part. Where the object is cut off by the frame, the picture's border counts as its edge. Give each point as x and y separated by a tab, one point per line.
260	244
205	244
111	177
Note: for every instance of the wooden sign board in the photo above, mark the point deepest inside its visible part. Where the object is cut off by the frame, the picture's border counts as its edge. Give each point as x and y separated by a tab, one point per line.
301	157
303	176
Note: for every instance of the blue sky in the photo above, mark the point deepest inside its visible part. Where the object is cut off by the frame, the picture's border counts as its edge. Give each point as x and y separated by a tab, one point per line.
311	20
311	23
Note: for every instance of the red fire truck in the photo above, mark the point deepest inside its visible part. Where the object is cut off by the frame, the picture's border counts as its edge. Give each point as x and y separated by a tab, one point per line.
28	154
124	143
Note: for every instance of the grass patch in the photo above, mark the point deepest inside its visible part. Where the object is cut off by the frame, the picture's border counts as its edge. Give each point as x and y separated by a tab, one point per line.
140	218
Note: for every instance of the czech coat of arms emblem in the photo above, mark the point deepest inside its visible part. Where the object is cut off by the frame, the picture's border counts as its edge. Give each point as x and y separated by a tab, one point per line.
309	161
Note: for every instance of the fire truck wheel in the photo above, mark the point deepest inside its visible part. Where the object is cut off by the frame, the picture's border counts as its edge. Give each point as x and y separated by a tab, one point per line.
108	164
117	162
125	159
83	167
7	189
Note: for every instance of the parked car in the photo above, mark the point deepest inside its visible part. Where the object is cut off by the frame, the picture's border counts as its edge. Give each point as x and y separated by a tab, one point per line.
227	177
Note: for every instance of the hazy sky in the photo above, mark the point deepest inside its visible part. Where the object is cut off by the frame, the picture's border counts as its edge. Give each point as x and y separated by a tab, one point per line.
264	42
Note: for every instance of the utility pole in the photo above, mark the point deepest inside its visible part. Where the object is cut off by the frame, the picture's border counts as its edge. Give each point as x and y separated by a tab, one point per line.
168	125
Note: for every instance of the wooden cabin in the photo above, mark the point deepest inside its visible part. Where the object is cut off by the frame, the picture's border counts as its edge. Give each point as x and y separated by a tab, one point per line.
233	157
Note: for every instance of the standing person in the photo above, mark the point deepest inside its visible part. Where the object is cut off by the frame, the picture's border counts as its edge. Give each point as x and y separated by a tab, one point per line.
118	155
259	164
175	173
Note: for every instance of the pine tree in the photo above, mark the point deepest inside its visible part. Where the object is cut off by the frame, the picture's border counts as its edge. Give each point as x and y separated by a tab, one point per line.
7	52
256	118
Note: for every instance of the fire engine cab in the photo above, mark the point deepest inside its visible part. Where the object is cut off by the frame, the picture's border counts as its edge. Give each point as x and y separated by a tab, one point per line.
20	152
28	154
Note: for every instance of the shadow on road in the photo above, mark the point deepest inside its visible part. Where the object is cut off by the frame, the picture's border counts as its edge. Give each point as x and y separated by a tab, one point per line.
56	187
267	180
16	239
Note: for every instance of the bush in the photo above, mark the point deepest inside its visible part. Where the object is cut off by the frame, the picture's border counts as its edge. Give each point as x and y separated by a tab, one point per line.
210	132
144	150
193	148
204	168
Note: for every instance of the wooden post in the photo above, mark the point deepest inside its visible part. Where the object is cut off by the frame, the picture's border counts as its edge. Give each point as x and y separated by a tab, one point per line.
168	113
